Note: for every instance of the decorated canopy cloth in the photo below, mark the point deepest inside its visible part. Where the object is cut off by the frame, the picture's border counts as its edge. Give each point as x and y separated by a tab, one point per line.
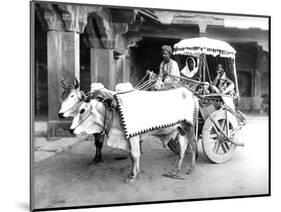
143	111
203	45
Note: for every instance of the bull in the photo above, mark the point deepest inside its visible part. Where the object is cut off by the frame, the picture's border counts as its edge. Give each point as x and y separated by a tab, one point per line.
99	113
72	98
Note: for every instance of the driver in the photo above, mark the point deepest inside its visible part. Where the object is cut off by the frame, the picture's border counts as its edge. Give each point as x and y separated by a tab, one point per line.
222	84
167	67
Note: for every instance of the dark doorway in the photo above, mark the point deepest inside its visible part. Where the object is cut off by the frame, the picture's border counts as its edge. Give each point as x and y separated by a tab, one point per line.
245	83
147	56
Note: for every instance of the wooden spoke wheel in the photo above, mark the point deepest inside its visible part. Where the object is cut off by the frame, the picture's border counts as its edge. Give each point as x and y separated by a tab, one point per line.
216	146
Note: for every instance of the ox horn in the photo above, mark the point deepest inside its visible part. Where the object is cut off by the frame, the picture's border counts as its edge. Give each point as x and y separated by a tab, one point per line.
63	84
76	84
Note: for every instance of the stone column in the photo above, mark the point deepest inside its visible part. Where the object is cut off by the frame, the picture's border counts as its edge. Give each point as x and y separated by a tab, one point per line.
64	23
105	42
63	62
102	67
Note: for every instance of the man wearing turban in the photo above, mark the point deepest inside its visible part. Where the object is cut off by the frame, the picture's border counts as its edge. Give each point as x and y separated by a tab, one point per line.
167	67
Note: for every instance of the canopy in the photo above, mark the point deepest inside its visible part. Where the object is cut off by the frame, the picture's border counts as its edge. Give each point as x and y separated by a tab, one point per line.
203	45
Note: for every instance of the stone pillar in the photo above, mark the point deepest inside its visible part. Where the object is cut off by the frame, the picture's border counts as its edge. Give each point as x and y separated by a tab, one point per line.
63	62
64	23
122	67
126	68
102	67
106	41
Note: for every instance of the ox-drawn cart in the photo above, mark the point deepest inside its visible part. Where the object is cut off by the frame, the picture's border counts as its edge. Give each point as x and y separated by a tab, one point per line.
219	121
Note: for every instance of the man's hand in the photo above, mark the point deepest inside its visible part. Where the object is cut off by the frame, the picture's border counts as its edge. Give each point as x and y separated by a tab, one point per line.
214	89
158	85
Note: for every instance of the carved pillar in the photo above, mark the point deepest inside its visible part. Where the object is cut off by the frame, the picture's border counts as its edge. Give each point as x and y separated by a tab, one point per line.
107	43
64	22
102	61
102	66
63	62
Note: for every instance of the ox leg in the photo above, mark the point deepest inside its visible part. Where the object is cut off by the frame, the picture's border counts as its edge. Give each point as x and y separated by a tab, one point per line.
99	145
182	146
135	158
193	147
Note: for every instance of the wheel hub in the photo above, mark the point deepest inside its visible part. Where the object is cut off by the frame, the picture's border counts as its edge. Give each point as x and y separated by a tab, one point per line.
221	138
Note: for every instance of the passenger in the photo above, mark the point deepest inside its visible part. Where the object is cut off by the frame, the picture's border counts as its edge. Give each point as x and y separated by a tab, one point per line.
167	67
222	84
191	67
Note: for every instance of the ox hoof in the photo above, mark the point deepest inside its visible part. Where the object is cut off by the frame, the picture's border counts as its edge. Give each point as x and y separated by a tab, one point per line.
97	161
131	179
174	175
190	171
174	172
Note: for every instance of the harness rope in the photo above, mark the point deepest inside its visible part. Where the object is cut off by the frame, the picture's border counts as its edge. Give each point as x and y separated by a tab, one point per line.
106	130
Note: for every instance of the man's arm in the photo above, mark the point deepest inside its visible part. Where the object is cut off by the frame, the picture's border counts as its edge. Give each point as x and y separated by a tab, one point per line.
216	80
160	75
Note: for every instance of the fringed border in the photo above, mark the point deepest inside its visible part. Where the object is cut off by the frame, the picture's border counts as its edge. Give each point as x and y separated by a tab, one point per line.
122	116
128	135
199	50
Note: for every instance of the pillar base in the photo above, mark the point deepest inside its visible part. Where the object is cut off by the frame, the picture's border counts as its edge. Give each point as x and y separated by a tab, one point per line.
58	129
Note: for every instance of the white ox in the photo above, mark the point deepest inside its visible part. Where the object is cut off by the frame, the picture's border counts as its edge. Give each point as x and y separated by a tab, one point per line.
100	114
72	99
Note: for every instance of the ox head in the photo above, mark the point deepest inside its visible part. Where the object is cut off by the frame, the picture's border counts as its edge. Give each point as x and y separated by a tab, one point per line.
90	116
71	98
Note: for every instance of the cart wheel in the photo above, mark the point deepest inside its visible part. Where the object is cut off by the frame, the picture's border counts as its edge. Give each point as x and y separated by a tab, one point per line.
215	146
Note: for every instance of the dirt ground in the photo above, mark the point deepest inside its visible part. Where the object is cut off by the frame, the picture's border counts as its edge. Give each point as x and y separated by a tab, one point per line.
70	179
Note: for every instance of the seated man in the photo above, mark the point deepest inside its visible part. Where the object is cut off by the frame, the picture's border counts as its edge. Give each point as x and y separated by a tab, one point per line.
222	84
167	67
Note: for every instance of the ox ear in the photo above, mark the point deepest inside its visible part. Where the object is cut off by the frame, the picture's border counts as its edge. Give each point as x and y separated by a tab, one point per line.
109	102
76	83
63	85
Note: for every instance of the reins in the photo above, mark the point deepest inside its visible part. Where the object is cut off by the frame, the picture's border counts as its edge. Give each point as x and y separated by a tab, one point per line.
106	130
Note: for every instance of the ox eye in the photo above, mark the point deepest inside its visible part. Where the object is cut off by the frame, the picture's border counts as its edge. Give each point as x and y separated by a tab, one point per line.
82	111
72	95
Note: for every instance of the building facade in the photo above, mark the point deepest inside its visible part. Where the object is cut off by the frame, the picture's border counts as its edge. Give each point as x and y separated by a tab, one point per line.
113	45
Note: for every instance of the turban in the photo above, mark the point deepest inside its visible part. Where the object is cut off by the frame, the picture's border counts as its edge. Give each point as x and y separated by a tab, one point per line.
167	48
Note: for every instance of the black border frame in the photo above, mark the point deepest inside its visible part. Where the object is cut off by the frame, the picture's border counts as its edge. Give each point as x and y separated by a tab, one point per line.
31	124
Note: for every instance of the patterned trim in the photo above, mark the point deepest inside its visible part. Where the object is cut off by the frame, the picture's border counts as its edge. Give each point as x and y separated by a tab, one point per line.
195	51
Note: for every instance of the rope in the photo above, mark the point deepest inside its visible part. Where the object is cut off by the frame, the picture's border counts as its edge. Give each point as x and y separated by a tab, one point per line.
139	83
145	84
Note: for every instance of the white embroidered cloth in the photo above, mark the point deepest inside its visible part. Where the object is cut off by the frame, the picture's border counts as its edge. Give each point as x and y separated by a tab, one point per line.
143	111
